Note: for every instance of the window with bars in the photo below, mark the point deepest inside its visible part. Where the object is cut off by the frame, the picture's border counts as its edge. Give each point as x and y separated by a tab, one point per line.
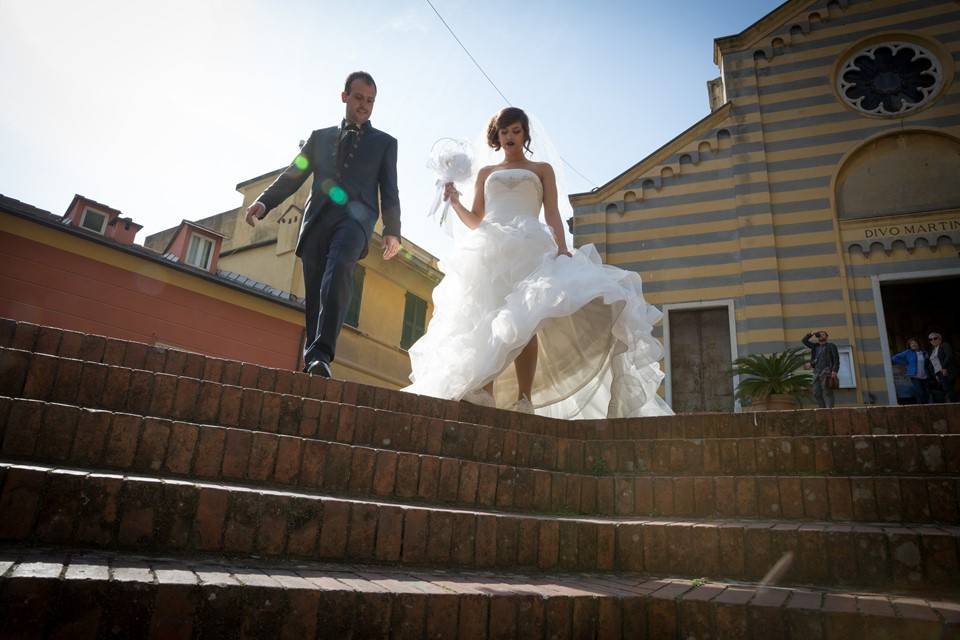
414	320
353	312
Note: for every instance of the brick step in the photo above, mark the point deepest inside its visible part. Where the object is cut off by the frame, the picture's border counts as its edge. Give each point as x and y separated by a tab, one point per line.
69	506
137	355
60	434
942	418
846	455
93	594
63	380
43	377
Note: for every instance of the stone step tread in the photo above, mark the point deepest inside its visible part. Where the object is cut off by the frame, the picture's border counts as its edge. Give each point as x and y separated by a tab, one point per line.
106	387
46	505
97	349
86	592
45	378
136	355
228	484
61	434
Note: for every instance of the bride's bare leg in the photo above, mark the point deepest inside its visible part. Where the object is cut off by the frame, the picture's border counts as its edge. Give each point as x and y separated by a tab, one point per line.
526	366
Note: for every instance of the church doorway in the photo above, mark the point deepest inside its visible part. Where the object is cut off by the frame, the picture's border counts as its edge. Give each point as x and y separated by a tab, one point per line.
913	305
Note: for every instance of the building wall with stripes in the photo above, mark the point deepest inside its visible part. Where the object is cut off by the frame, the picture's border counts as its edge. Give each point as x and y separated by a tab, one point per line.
742	205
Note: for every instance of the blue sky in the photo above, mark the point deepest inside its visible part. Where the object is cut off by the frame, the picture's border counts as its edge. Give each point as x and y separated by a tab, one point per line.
160	109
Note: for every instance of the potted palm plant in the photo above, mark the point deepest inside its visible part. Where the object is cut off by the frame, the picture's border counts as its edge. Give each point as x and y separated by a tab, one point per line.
772	381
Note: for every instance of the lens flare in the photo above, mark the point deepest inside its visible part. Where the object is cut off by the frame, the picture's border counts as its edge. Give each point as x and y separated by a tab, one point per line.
338	195
301	162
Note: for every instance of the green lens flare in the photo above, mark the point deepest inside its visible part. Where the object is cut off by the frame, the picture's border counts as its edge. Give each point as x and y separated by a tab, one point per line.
301	162
338	195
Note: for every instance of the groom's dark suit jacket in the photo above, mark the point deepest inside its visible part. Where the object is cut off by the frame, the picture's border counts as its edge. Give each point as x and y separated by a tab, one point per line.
367	167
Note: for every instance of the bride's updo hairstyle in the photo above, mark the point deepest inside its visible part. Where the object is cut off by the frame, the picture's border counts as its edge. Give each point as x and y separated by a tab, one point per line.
502	120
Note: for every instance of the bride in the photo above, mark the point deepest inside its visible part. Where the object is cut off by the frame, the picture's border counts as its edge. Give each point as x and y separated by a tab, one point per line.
578	332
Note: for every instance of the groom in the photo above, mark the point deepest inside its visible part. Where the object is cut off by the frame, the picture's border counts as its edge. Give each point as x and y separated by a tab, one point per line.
354	169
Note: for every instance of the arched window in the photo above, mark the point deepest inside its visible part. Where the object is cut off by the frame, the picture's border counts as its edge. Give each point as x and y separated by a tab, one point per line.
903	172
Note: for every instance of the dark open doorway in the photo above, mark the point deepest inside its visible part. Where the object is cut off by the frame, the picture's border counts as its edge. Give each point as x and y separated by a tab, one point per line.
913	309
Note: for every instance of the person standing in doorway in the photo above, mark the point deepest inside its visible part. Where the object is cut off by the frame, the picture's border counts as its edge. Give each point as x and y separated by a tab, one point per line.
944	367
825	362
918	369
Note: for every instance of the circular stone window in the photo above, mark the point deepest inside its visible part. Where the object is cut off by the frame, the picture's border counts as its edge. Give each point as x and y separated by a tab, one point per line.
890	79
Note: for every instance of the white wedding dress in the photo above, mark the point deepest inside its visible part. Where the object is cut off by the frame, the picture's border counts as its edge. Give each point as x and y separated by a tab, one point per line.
503	283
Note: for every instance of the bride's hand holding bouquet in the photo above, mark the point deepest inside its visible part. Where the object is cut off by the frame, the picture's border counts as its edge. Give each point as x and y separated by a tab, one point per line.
450	193
451	161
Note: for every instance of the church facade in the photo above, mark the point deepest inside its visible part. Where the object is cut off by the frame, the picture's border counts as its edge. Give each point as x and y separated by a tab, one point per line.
821	192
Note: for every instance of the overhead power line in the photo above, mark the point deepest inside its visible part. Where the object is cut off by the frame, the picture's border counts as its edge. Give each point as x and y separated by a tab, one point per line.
470	55
494	85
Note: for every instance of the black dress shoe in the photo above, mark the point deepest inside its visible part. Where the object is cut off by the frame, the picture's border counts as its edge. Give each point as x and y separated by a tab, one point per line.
319	368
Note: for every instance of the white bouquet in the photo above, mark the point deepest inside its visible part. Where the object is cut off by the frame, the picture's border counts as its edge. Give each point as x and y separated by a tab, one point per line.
452	161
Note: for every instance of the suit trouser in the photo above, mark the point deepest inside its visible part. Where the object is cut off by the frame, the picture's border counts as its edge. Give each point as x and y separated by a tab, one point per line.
821	392
948	384
330	254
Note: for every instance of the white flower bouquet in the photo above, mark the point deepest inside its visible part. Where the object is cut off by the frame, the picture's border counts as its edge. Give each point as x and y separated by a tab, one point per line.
452	161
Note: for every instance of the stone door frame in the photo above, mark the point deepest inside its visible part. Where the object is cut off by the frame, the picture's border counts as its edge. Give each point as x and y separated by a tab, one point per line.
726	303
876	282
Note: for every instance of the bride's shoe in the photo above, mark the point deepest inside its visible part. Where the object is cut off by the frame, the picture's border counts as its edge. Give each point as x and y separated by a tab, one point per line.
523	405
480	397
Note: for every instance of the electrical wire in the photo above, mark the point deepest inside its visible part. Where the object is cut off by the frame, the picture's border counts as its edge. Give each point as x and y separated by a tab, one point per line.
494	85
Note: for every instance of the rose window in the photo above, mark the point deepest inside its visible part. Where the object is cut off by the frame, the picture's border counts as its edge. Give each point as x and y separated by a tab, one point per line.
890	79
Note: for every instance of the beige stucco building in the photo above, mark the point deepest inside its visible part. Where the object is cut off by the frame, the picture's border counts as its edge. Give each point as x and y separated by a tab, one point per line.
392	300
821	192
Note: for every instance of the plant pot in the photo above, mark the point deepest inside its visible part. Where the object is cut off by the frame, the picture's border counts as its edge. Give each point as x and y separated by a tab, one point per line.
774	402
780	402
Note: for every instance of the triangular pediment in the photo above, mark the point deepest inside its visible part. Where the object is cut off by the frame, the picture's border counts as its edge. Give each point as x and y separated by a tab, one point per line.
687	143
782	24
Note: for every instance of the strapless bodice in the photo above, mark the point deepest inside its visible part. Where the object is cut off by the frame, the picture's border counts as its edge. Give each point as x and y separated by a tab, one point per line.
509	193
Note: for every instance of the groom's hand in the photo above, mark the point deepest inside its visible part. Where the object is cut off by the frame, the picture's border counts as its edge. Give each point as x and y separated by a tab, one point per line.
255	213
391	245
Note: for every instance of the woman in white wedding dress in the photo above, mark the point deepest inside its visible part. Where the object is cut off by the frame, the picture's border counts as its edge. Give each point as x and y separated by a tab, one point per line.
577	331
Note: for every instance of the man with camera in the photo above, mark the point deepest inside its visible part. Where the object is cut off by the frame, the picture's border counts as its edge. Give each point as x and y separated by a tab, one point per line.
825	362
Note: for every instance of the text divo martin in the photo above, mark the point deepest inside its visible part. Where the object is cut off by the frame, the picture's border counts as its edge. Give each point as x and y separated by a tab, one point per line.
912	229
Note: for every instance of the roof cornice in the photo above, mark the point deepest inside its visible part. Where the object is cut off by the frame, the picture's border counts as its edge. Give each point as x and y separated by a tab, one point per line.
757	30
268	174
655	158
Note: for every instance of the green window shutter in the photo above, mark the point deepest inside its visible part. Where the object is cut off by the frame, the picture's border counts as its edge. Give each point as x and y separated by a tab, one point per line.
414	320
353	313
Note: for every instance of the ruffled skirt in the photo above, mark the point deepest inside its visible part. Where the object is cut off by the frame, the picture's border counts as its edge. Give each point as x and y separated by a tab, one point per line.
503	284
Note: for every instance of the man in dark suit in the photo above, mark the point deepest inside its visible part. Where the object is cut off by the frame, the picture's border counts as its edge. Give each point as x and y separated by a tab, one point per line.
354	169
944	367
825	362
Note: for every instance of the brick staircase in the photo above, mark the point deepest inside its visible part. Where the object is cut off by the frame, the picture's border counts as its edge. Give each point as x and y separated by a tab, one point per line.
152	490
